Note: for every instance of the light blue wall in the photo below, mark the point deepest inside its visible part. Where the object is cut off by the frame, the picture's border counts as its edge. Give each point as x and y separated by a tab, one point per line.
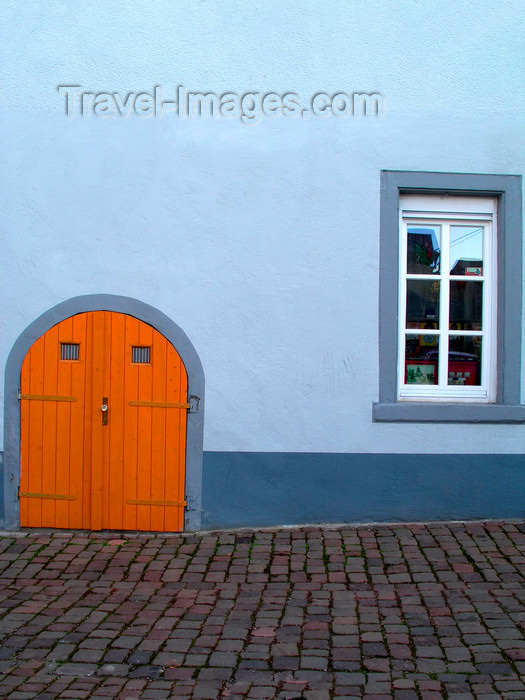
260	241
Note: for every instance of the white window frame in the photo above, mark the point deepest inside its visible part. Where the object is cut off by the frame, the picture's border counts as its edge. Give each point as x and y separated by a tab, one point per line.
447	211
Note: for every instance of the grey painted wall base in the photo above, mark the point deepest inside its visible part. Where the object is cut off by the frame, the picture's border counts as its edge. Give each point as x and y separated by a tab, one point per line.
256	489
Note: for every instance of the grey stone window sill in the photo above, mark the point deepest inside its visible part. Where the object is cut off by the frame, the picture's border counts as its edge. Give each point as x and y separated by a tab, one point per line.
423	412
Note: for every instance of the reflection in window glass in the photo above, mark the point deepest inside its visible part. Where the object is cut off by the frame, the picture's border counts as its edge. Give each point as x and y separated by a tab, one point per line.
466	306
466	250
464	360
422	303
421	359
447	298
423	250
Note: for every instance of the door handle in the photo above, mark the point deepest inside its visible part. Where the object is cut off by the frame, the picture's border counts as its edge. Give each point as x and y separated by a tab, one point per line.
104	409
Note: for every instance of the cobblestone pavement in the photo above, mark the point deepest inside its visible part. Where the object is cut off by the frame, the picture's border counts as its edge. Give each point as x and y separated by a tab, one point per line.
403	611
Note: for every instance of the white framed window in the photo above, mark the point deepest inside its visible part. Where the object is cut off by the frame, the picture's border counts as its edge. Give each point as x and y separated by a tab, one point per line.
447	298
467	273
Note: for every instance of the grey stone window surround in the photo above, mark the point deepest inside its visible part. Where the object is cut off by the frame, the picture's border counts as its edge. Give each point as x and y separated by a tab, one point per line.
508	191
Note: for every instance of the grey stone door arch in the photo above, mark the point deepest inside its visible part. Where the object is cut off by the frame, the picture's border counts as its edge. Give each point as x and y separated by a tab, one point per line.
131	307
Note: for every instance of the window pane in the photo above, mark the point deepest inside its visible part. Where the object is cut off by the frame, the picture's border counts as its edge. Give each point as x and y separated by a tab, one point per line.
466	306
464	360
423	304
421	359
423	250
466	250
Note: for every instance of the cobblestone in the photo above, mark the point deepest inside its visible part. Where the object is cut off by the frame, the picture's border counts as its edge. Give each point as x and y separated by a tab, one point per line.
422	611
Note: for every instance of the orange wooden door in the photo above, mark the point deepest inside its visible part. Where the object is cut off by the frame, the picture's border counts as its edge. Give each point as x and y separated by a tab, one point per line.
82	467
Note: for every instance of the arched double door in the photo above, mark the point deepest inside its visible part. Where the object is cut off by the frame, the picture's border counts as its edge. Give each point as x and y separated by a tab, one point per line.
103	400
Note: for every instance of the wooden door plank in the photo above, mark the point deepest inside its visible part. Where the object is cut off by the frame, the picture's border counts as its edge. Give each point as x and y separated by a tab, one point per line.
181	453
97	446
175	439
105	428
88	419
50	427
144	445
35	432
158	430
79	429
114	514
63	456
131	424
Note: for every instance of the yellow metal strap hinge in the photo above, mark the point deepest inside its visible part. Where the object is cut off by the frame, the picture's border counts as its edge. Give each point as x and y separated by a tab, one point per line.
159	404
144	502
192	404
54	496
42	397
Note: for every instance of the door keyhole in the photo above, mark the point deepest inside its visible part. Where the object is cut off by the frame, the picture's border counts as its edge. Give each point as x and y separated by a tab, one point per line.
104	409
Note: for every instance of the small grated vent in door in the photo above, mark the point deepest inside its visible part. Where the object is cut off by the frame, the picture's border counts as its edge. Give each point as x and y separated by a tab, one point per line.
69	351
140	355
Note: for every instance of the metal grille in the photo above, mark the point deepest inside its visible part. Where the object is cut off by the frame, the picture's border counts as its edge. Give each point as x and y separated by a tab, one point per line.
69	351
140	355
